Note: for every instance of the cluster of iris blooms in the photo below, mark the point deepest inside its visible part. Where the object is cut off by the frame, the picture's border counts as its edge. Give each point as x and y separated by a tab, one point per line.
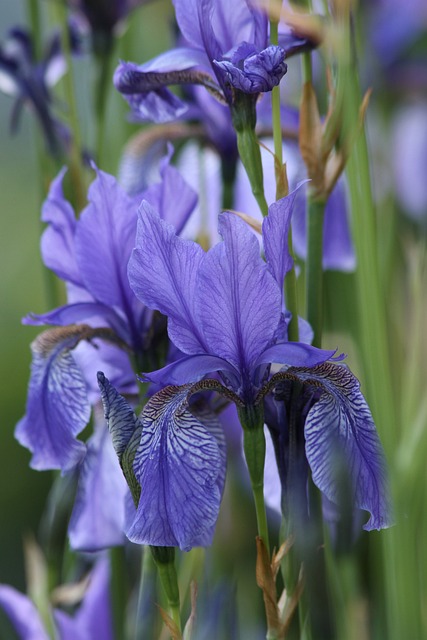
157	321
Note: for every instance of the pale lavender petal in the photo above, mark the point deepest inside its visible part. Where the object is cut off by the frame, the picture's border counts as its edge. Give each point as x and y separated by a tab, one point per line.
191	369
172	197
339	429
98	518
57	405
294	354
272	484
58	243
238	299
104	240
93	619
22	613
162	273
180	469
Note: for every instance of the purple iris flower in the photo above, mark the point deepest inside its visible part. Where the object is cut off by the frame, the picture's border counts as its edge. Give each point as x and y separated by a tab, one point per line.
224	311
91	620
29	81
225	49
90	254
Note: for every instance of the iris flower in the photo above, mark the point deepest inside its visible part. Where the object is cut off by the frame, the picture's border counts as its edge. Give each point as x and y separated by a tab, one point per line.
225	49
225	314
29	80
103	325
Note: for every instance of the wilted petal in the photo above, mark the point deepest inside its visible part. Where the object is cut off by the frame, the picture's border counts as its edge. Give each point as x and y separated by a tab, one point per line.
93	618
162	273
239	301
22	614
339	429
104	239
98	518
258	72
179	466
57	404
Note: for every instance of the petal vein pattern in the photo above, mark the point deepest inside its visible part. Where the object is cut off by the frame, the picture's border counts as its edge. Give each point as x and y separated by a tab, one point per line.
180	468
238	299
340	428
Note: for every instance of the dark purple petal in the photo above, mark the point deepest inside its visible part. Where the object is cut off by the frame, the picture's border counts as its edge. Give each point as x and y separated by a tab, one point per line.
22	613
98	518
339	428
238	299
294	354
257	73
57	404
119	415
93	618
58	242
191	369
104	239
162	273
180	468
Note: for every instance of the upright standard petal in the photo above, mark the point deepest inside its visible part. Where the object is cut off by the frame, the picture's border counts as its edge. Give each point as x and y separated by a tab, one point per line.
238	299
339	430
58	243
57	405
105	234
275	229
180	469
162	274
172	197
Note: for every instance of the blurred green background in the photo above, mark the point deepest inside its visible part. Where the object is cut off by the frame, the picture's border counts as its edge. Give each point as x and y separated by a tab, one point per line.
22	491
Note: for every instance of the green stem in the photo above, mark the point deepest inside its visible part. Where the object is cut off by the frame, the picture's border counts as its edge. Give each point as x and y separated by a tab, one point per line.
164	558
76	172
118	590
146	586
102	89
33	10
314	268
252	420
243	115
